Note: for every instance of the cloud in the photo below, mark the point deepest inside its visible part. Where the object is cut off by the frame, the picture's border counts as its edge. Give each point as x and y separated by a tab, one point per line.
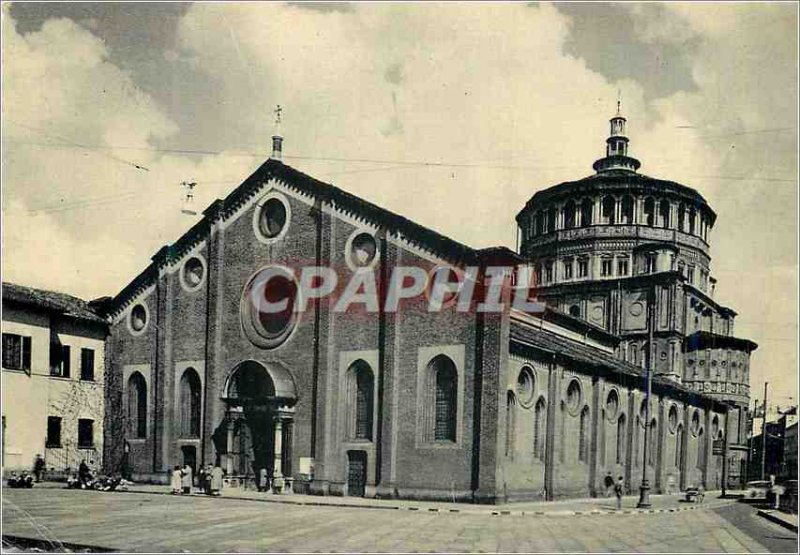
64	204
502	94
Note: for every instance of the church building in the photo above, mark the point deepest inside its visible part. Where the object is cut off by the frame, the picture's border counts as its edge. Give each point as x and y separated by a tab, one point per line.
451	404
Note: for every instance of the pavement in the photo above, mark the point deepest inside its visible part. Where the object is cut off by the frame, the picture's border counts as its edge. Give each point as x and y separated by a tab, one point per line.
565	507
149	521
779	517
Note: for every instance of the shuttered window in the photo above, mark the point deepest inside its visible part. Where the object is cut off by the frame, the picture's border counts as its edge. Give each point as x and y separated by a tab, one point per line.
60	358
16	352
87	364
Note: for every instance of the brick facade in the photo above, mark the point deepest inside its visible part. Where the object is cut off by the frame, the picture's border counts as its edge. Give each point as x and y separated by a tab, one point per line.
201	324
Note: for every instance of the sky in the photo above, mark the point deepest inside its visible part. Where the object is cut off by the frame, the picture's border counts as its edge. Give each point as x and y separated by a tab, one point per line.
452	114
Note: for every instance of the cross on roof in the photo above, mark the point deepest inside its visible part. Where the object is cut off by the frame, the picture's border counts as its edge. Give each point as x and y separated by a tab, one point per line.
278	111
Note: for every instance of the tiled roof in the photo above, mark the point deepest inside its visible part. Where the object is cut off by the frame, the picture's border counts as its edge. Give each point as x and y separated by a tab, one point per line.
552	343
586	355
396	224
50	301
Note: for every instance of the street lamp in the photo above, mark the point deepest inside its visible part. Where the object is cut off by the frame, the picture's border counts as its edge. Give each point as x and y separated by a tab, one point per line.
644	488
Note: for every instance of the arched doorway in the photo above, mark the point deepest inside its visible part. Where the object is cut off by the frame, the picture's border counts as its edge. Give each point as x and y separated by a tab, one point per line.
255	432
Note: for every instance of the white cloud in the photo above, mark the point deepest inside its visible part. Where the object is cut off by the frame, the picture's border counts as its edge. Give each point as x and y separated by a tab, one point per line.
482	85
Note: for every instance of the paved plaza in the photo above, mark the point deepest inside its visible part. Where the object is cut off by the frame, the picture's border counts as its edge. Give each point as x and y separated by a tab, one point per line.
135	521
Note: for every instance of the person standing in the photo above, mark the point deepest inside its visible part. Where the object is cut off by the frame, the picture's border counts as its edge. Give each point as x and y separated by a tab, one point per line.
175	482
262	479
187	479
216	479
608	482
83	473
38	467
618	488
201	478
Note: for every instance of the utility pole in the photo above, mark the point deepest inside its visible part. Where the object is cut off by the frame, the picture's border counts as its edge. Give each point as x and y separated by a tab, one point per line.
644	489
764	437
750	423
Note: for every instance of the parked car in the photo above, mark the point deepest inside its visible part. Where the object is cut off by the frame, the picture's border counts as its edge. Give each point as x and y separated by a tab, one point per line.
757	490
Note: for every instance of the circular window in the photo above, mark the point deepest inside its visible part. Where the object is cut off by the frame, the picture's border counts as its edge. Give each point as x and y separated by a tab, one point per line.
673	418
271	217
269	306
663	355
194	271
695	427
526	387
363	250
612	404
636	308
138	318
573	397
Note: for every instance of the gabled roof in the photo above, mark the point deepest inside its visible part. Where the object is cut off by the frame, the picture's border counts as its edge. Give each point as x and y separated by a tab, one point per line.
50	301
395	224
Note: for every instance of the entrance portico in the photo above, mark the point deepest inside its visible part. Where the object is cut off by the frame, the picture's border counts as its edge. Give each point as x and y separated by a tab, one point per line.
255	432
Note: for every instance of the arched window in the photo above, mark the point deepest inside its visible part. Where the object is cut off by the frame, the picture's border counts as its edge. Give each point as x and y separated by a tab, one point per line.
701	451
538	429
608	208
137	406
586	212
190	403
360	394
575	311
445	378
511	406
663	213
569	215
692	218
627	209
678	445
649	211
621	439
681	217
551	219
583	444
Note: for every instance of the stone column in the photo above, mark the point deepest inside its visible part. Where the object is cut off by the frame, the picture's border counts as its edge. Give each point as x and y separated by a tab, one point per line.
277	475
229	447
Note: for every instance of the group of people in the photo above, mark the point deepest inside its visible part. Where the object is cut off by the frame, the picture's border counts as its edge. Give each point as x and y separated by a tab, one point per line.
209	479
24	480
85	479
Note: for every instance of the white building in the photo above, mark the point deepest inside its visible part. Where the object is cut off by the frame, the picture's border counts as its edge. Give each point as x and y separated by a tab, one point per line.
52	380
